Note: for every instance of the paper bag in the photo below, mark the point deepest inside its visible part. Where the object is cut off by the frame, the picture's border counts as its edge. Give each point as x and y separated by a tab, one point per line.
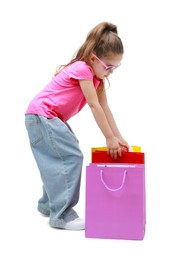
115	201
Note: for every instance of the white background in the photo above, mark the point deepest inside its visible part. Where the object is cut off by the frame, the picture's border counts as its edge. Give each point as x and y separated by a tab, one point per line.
38	35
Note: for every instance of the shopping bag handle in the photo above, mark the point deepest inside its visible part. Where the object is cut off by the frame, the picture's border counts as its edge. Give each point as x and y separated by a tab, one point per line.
117	189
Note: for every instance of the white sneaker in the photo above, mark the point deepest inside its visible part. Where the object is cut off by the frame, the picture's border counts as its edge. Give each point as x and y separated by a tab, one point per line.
76	224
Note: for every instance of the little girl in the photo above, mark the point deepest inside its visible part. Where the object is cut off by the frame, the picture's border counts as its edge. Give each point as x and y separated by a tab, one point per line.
53	143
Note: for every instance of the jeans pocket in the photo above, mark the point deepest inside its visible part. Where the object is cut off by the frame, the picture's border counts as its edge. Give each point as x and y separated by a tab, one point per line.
32	124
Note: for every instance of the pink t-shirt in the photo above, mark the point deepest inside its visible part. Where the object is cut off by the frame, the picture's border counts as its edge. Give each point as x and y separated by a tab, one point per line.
63	96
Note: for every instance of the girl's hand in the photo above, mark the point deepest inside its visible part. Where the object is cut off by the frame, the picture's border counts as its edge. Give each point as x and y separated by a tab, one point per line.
123	143
114	147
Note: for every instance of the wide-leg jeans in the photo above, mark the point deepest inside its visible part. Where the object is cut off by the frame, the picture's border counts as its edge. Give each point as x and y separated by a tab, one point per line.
59	159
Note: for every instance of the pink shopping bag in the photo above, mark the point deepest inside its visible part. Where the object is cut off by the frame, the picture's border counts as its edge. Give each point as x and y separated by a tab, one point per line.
115	201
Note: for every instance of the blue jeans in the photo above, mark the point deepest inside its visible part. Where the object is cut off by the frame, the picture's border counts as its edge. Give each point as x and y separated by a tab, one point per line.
59	159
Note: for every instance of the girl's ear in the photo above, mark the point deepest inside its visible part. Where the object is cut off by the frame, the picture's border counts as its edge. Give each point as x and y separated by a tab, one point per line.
92	58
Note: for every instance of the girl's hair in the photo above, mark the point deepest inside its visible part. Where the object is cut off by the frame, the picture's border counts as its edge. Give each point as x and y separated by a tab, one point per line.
101	40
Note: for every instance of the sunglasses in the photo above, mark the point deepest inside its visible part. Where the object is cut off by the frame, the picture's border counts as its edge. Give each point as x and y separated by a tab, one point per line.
107	68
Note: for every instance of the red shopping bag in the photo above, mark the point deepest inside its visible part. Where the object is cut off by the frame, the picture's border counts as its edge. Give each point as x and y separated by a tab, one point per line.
102	156
115	201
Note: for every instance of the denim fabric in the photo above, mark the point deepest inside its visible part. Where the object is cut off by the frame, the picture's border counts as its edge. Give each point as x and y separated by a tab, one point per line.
59	159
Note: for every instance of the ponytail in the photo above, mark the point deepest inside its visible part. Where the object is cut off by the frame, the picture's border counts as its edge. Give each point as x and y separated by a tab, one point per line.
101	40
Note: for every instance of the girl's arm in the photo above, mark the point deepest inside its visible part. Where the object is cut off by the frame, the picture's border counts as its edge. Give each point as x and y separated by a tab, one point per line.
111	121
90	94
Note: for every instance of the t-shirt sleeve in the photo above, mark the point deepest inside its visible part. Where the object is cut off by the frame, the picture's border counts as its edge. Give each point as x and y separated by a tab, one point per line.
81	72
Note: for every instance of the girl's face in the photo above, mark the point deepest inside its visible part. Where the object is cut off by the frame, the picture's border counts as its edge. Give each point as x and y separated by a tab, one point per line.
103	67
